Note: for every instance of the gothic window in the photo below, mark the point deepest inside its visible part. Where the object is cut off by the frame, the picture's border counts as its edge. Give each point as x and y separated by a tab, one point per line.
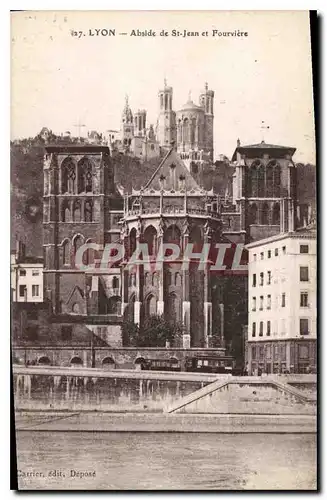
186	131
78	242
277	180
132	242
77	211
253	214
269	180
88	256
88	211
192	131
264	214
65	211
172	235
276	214
85	176
68	176
151	306
150	237
261	181
115	282
253	181
76	308
166	101
66	253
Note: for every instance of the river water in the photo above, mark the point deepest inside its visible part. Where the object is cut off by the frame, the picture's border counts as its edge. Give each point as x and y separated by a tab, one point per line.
175	461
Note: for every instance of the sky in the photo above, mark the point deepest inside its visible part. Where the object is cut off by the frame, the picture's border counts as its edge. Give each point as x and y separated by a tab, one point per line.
59	80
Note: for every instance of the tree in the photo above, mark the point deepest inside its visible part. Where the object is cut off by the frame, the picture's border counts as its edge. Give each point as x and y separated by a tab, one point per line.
154	332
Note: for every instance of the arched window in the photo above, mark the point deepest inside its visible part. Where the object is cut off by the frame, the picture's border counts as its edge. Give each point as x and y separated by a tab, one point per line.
88	256
196	238
186	137
150	238
270	179
114	305
44	360
85	176
172	235
78	241
76	308
76	360
261	181
277	180
77	211
65	211
276	214
253	181
150	306
66	253
88	211
115	282
132	242
192	131
68	176
253	214
264	214
147	279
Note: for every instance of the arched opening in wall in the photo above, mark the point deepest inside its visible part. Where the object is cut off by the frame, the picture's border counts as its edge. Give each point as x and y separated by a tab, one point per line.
253	214
132	241
108	363
88	211
88	256
114	305
270	179
147	279
68	176
76	308
78	242
253	179
277	180
192	131
150	306
186	130
172	235
150	238
261	181
196	237
66	253
276	214
76	361
77	211
44	360
85	176
65	211
265	214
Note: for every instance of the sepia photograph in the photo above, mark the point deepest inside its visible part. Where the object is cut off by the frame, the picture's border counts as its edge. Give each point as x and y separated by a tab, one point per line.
163	250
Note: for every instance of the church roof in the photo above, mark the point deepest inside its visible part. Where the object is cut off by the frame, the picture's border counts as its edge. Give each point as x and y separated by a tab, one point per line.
275	150
190	105
169	174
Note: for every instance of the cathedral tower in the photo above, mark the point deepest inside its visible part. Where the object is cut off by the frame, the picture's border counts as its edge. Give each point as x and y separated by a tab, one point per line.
127	125
140	123
206	102
167	118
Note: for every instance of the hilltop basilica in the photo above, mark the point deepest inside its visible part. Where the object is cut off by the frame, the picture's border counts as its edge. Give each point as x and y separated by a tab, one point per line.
190	129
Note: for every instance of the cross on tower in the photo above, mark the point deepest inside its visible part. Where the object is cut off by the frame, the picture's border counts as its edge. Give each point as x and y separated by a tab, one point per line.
79	125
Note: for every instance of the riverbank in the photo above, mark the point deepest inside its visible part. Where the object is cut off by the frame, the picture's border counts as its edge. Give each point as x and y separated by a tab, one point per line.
160	422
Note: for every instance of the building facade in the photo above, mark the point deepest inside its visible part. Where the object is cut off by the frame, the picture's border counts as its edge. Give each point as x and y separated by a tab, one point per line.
282	329
26	277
